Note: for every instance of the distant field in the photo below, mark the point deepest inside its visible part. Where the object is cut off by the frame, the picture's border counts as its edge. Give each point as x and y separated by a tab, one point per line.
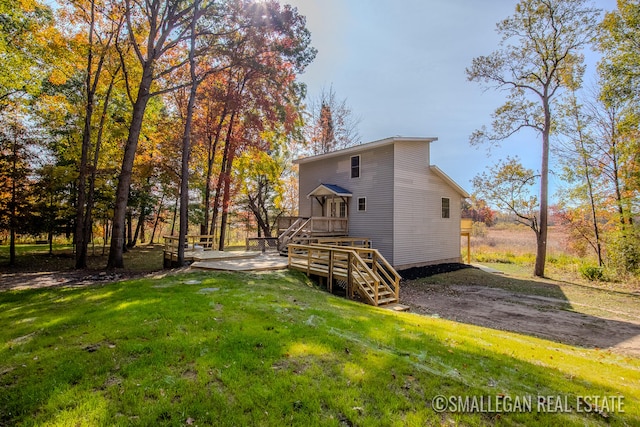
521	239
511	248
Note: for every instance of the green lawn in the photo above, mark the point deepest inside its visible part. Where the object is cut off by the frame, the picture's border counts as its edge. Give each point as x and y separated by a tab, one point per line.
269	349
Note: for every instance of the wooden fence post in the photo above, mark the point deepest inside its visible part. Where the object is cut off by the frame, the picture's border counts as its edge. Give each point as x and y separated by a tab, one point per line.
349	278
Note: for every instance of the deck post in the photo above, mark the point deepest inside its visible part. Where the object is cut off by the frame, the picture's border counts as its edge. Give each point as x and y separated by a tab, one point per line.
376	289
349	278
330	278
374	263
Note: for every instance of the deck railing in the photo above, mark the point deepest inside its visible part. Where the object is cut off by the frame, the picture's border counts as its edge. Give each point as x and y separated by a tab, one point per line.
306	230
195	242
357	242
329	225
388	275
366	276
262	244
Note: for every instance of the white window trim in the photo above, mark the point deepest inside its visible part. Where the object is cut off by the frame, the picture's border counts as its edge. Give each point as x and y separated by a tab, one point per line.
359	166
448	207
358	204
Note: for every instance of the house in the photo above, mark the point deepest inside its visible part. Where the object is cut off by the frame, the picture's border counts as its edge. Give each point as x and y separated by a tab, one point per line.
385	191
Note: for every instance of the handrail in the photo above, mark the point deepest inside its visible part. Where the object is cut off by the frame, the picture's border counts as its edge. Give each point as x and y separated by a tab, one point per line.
388	272
388	275
293	225
333	259
364	268
288	234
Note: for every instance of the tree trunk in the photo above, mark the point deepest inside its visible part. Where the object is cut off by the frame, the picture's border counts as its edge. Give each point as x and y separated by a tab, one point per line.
221	176
129	229
175	216
139	227
226	199
13	220
12	247
211	156
211	159
155	223
541	234
186	144
79	237
592	202
124	181
90	200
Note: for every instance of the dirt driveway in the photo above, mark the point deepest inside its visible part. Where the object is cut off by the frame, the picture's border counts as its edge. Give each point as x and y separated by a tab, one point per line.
565	313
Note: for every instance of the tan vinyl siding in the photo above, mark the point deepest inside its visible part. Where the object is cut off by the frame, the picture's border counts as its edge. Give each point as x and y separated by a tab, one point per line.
375	183
411	163
422	236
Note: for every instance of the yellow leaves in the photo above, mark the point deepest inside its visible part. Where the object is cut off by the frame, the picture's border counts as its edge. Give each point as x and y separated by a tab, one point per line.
53	107
27	5
57	77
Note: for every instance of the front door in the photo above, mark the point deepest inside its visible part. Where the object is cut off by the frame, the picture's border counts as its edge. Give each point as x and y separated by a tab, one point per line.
337	208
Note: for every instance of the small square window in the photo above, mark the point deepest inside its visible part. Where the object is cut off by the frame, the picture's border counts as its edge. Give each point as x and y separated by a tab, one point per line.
355	167
445	207
362	204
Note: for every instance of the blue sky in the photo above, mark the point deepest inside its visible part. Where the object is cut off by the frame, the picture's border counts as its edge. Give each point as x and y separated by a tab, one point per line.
401	66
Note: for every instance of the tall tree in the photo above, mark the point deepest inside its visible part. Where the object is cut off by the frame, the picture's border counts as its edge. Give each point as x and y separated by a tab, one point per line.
186	137
331	124
101	32
539	56
155	30
272	46
15	184
577	150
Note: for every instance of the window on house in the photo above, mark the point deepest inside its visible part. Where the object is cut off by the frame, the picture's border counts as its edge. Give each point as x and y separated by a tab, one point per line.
445	207
355	167
362	204
343	210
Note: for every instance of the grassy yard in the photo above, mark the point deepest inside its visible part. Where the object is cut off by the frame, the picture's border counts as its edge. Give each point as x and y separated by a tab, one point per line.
270	349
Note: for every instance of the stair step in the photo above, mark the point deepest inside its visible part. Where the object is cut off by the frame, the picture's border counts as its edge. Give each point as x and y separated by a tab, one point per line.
380	293
382	301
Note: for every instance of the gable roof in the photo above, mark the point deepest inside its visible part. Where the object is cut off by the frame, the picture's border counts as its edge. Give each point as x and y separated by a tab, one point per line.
329	190
359	148
438	172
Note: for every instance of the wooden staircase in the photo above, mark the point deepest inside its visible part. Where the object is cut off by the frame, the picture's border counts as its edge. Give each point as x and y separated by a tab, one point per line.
363	270
307	230
296	233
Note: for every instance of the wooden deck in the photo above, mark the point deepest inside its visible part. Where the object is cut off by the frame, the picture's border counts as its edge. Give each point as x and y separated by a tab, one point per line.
197	249
363	271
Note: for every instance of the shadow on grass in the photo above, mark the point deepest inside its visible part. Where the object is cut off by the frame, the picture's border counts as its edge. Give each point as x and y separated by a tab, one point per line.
246	349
